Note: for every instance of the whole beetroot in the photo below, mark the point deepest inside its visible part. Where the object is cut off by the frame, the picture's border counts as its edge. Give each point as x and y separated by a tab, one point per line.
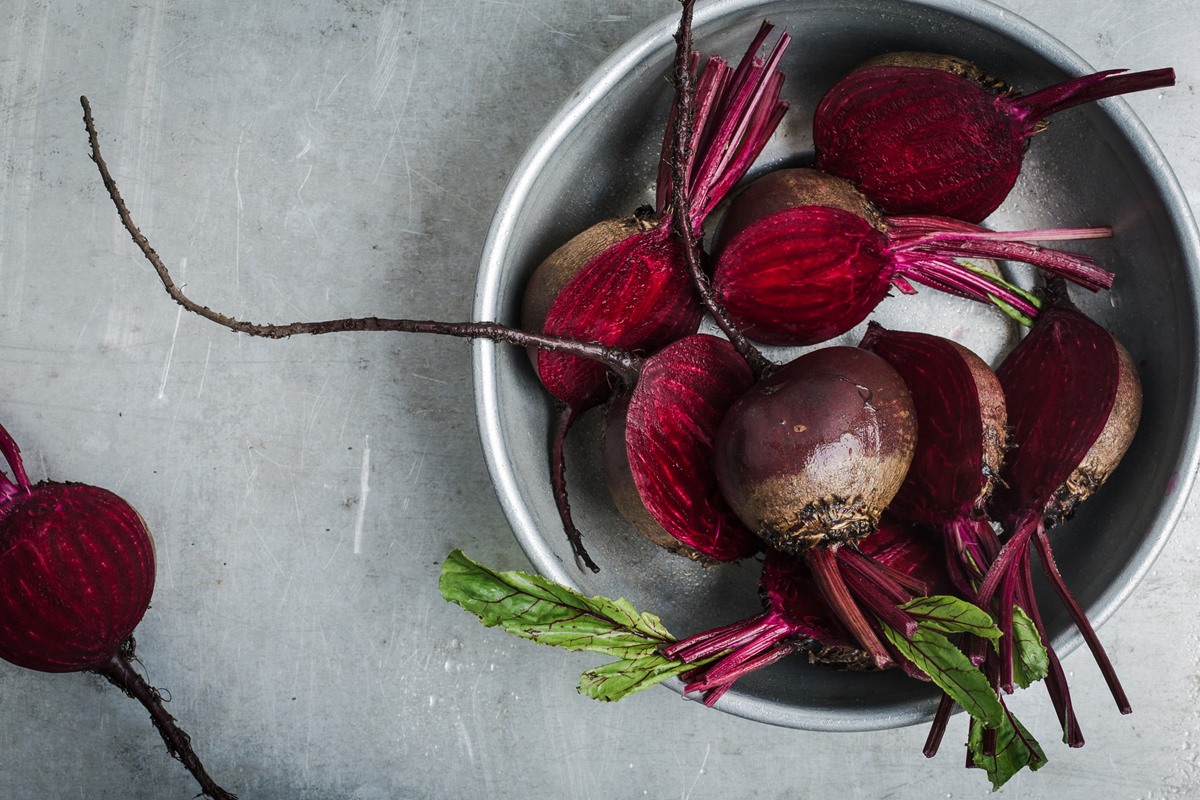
76	576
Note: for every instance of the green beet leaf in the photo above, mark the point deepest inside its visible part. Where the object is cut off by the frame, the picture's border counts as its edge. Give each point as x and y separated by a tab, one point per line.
1015	749
546	612
1031	662
949	614
619	679
947	666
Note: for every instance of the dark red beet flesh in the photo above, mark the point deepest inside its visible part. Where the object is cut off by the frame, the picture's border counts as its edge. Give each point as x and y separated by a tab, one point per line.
802	257
658	446
76	576
919	140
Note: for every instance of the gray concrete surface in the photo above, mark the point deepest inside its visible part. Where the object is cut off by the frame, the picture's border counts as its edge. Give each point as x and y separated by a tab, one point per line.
303	160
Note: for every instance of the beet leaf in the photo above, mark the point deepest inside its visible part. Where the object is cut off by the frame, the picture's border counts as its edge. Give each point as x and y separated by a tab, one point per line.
948	614
1014	750
947	666
546	612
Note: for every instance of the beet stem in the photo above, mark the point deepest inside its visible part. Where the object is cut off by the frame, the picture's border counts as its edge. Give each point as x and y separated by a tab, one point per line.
1042	542
682	215
625	365
823	564
1041	104
937	730
1056	679
877	600
119	672
902	586
12	454
712	681
726	637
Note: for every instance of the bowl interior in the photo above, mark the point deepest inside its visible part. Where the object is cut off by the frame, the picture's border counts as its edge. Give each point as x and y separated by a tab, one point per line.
1094	165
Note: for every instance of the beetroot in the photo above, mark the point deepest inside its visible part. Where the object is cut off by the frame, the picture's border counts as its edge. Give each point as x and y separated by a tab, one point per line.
810	457
625	283
797	619
922	133
76	577
802	256
961	419
1074	401
658	446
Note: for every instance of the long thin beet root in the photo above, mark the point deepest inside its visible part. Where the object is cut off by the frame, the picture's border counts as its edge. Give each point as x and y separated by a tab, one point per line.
77	573
924	133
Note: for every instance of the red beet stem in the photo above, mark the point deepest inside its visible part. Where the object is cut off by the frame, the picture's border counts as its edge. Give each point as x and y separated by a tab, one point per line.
901	586
726	122
1037	106
880	602
937	730
727	637
12	454
823	564
908	236
1056	678
714	683
745	124
953	278
1042	542
121	674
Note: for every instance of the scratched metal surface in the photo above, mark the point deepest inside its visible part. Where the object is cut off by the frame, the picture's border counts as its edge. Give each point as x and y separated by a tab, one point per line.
308	160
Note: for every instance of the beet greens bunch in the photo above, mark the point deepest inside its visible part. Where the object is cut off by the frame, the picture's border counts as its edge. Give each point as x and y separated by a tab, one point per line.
895	491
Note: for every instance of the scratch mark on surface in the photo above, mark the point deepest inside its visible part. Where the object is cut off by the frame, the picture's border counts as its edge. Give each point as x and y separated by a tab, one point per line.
300	199
204	370
237	231
267	548
466	739
162	384
338	85
700	772
387	51
83	328
364	488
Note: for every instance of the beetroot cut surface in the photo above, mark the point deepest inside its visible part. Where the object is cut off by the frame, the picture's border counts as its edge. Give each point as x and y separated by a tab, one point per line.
928	141
664	440
77	573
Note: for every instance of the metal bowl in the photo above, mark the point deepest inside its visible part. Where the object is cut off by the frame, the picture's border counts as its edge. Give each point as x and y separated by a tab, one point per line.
1094	165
